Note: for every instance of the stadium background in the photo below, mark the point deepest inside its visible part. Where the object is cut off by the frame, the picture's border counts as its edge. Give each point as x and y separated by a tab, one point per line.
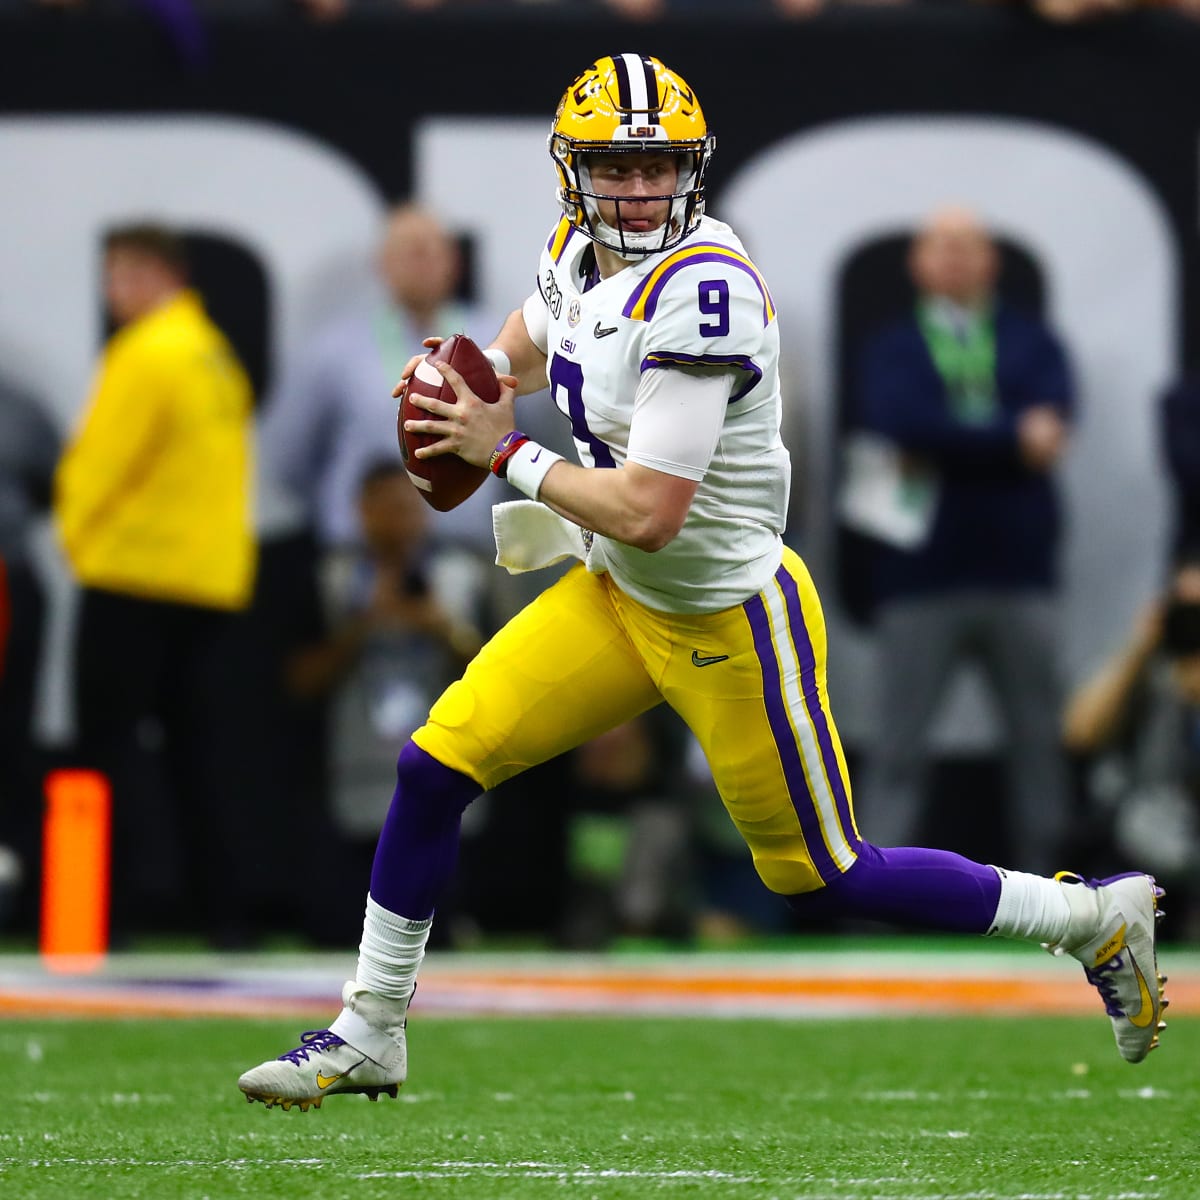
277	150
278	144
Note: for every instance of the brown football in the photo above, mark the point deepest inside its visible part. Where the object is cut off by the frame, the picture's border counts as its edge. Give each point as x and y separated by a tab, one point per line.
445	481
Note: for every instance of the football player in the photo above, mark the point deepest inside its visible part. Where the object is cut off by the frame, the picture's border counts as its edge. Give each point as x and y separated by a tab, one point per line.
659	339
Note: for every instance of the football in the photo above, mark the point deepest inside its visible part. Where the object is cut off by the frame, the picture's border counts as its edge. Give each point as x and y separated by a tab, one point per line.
446	481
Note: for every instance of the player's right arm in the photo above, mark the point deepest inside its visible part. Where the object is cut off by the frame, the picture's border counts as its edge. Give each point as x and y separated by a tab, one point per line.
677	419
635	505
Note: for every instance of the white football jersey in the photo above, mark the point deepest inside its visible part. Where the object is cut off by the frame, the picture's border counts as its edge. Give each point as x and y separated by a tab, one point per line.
700	305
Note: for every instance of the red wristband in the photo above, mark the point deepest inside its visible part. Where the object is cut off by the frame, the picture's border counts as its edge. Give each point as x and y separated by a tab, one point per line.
506	447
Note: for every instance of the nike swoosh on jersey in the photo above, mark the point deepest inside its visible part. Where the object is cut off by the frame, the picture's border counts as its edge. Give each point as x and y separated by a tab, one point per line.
699	660
601	331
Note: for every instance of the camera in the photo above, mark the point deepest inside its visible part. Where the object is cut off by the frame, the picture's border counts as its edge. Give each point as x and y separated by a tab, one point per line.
1181	628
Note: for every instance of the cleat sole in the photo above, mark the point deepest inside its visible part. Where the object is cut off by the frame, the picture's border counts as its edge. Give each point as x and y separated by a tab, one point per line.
374	1092
288	1103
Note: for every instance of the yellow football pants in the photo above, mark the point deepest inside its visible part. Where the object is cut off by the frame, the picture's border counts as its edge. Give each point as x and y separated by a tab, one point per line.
749	681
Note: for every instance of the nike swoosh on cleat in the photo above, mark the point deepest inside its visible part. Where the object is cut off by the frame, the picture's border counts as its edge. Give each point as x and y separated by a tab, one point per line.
699	660
1145	1014
600	331
323	1081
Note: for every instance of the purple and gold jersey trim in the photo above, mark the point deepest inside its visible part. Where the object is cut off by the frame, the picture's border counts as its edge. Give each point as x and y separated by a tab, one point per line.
674	358
815	771
559	239
642	304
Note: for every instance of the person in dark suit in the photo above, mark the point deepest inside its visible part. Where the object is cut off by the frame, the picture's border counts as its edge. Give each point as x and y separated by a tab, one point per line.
975	399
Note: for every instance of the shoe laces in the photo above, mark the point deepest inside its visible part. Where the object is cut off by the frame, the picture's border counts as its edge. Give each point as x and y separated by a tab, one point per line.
1104	980
313	1041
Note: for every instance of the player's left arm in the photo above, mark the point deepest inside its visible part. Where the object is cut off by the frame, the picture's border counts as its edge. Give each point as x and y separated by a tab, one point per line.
523	351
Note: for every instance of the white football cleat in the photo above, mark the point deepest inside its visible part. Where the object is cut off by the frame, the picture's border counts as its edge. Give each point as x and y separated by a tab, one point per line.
1112	932
363	1051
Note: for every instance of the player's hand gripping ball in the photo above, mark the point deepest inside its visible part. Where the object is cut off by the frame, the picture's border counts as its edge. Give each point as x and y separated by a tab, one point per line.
447	480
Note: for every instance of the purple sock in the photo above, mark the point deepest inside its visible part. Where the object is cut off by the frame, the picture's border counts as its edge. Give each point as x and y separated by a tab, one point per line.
909	885
418	845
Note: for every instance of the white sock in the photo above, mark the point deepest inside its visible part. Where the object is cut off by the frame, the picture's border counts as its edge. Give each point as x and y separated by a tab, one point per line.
1032	908
390	952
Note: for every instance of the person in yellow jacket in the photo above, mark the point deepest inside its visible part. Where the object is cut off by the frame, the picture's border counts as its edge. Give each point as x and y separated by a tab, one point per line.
153	508
153	493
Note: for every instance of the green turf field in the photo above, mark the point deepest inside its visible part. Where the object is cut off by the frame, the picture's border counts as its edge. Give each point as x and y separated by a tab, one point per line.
532	1108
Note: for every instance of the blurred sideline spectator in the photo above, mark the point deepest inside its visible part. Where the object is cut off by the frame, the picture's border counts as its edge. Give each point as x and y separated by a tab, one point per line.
391	647
329	417
1137	723
973	399
152	502
331	414
29	448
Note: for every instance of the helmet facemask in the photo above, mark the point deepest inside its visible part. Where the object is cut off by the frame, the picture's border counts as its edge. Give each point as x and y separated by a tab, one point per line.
686	206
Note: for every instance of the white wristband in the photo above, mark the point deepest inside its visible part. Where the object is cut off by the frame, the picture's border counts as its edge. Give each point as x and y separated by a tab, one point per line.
527	468
500	361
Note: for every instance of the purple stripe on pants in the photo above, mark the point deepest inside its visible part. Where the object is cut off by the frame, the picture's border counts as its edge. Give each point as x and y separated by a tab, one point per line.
785	740
812	701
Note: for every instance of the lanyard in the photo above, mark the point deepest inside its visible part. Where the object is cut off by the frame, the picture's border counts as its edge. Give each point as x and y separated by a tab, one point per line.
963	348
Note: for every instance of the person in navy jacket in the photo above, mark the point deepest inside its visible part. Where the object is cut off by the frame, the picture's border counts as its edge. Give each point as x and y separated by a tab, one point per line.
975	399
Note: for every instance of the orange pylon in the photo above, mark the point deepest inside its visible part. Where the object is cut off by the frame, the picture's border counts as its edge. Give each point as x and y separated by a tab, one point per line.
76	881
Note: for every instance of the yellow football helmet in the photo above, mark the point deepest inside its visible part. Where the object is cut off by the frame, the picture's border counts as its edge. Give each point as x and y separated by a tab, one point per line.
630	103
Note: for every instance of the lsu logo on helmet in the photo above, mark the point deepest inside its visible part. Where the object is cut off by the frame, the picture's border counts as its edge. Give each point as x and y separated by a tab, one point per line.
630	103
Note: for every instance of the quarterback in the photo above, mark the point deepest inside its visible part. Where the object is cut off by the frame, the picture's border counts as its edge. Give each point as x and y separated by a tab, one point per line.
659	340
